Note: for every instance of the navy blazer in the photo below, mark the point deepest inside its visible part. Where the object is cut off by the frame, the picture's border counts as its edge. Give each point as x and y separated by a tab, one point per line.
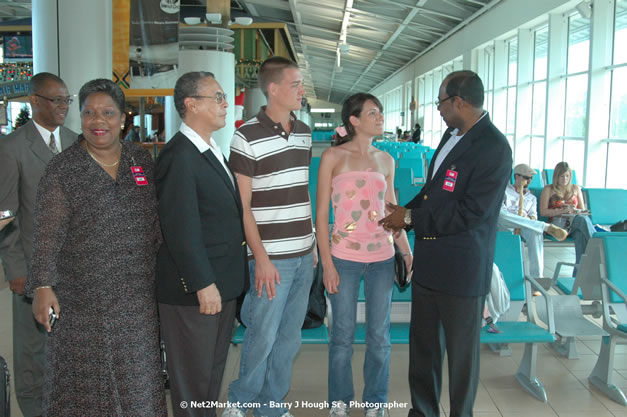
200	211
456	230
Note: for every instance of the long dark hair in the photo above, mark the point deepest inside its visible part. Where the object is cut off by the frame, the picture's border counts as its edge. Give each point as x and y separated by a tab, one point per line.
353	106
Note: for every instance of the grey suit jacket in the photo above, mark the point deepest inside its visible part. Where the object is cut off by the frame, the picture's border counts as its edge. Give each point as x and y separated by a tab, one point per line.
23	159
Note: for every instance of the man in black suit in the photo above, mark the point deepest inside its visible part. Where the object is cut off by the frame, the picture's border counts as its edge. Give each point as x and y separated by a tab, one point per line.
454	218
201	265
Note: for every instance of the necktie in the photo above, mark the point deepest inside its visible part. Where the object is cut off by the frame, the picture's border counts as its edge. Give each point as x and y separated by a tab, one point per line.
52	144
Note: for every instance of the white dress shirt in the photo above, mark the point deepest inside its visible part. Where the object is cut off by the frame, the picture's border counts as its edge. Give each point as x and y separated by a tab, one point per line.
449	145
202	146
45	135
512	198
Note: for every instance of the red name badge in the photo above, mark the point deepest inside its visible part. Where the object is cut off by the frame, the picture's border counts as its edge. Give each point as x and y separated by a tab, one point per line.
141	180
449	180
138	175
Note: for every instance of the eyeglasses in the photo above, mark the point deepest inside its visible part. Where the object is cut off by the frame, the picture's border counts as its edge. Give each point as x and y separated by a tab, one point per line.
525	177
438	102
58	100
220	97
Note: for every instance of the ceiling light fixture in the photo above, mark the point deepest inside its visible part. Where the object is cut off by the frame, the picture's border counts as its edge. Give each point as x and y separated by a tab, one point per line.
214	18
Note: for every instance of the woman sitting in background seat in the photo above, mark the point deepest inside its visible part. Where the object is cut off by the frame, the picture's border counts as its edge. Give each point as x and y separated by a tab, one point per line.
562	202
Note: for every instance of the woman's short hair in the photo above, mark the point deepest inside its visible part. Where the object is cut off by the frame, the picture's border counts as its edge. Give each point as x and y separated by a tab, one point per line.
353	106
467	85
102	85
187	86
271	71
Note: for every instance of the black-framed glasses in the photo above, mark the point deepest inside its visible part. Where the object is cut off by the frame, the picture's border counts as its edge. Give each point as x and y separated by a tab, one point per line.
438	102
57	100
525	177
219	97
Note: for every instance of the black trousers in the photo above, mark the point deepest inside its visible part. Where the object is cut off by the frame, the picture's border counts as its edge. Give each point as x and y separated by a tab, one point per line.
196	346
443	323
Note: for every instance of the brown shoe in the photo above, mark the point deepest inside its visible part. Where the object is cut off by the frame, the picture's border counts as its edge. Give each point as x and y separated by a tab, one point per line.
557	232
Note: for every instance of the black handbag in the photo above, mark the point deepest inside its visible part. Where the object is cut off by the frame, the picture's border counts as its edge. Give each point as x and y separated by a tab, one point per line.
317	307
401	275
619	227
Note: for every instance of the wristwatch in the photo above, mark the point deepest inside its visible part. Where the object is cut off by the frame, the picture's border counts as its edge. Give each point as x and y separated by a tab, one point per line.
407	217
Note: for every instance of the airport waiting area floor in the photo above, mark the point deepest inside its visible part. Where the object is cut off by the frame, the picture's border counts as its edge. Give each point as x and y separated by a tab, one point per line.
499	395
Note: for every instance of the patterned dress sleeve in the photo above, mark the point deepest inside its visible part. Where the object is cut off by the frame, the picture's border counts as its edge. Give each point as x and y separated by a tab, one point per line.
52	217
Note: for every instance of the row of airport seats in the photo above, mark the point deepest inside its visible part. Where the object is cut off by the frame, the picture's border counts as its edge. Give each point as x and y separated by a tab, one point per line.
545	178
598	290
607	205
508	256
322	135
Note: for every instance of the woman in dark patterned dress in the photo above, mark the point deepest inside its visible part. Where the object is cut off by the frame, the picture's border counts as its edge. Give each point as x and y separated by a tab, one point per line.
95	240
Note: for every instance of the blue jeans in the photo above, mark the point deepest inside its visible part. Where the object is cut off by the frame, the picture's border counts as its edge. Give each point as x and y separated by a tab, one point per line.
581	230
378	285
272	337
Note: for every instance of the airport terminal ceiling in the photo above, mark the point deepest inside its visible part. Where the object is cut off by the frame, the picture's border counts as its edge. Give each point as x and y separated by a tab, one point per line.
369	39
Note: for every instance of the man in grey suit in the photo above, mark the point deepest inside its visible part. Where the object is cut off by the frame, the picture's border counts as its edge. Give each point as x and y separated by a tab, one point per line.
24	155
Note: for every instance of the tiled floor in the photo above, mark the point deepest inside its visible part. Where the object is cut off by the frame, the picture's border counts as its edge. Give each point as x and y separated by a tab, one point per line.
499	395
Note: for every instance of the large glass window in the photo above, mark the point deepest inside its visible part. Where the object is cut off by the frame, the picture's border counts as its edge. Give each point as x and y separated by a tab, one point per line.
617	147
512	73
618	117
540	61
575	120
487	76
539	98
577	75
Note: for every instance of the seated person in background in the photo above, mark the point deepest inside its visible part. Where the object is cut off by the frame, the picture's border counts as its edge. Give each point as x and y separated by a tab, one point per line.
522	215
415	137
562	202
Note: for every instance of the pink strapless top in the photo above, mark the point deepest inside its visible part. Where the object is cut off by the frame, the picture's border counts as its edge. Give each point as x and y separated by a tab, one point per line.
358	199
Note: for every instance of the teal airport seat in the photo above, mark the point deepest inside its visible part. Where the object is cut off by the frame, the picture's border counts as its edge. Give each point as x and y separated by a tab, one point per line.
404	194
613	289
318	335
508	257
577	296
417	167
547	174
607	206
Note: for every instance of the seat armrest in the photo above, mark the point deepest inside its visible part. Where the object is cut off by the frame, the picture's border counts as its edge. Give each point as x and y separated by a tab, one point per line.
531	313
556	273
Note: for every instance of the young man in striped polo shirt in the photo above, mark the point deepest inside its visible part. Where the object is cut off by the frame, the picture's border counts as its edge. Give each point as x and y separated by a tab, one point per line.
270	155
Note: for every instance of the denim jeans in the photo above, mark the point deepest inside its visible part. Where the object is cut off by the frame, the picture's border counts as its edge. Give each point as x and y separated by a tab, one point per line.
378	285
581	230
272	337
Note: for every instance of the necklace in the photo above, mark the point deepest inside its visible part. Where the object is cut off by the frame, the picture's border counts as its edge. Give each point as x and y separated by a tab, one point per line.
100	162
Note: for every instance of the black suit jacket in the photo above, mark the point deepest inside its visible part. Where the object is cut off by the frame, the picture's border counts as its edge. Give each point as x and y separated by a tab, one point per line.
201	219
456	231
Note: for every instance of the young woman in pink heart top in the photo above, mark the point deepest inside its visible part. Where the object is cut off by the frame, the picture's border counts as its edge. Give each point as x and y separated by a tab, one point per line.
358	179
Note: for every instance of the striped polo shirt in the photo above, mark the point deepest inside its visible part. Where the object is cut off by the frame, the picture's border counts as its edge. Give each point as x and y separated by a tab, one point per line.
278	164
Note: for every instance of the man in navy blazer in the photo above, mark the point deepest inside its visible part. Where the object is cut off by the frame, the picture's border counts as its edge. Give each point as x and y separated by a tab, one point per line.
454	218
201	266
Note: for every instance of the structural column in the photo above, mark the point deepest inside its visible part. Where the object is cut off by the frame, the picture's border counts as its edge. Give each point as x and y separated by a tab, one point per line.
72	39
556	89
524	90
599	87
222	65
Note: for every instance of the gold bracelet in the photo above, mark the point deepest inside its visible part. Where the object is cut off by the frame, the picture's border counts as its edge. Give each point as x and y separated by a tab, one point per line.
44	286
406	254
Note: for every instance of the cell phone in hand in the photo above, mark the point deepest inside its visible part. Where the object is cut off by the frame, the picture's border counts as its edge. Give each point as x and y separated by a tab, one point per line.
6	214
52	317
